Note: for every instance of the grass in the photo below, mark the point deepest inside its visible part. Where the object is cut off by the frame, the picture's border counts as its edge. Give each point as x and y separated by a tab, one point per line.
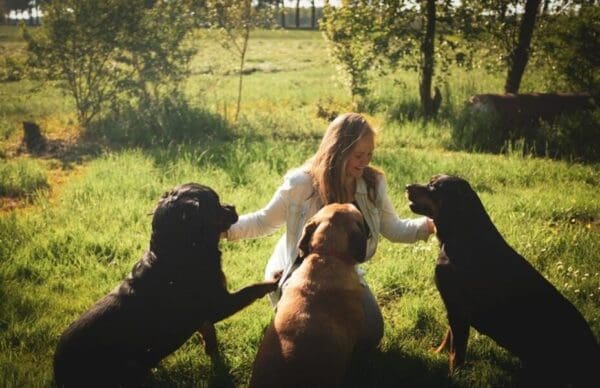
66	249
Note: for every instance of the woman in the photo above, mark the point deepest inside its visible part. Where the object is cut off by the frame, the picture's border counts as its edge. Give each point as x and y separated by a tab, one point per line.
338	172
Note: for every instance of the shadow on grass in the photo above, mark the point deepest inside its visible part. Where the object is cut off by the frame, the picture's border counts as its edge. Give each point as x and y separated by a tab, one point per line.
395	368
167	122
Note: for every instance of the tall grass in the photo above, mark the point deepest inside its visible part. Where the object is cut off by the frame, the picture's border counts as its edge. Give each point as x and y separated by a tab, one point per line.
22	176
63	252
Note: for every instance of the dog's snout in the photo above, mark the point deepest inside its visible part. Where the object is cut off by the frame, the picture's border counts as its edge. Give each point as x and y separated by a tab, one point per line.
230	214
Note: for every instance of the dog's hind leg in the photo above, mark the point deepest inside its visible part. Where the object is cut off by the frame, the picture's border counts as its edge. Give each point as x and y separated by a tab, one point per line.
445	342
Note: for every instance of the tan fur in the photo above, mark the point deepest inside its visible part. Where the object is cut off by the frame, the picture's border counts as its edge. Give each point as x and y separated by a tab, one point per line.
320	316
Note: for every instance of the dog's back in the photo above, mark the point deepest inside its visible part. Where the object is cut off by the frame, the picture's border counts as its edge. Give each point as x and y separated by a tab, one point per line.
130	330
523	312
319	320
320	317
486	284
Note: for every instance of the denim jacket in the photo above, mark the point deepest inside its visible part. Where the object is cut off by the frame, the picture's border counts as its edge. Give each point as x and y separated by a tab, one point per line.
295	201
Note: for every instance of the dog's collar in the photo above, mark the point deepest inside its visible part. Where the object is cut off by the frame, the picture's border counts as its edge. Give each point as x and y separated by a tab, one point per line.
333	253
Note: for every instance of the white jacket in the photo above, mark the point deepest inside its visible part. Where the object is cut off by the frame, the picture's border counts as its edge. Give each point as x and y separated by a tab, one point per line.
295	201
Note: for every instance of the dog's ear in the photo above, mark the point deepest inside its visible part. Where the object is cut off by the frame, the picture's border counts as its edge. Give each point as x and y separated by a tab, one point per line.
357	244
304	244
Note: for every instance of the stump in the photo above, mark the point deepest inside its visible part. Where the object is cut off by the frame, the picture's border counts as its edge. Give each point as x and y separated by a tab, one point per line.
33	139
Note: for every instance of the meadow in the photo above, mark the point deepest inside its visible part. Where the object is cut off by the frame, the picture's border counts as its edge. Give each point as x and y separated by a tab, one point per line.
75	220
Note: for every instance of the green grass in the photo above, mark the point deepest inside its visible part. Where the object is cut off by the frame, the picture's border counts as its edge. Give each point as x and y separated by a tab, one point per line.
19	177
62	252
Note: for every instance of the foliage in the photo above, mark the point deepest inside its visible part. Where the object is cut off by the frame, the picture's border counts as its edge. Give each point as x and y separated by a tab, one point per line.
350	31
105	50
387	35
72	246
571	137
151	123
569	50
234	20
493	26
480	131
12	68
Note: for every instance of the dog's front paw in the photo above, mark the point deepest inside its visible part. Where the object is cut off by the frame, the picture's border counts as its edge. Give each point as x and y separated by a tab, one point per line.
277	276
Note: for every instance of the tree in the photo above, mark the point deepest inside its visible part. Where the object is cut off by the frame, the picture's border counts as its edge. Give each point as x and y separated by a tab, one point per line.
365	34
503	29
105	50
427	61
568	44
349	30
519	56
234	20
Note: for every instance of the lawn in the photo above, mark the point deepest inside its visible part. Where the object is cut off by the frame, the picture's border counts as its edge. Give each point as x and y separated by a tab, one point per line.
74	221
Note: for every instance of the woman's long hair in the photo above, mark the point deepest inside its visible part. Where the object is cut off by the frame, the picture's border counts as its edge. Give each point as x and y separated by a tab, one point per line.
328	166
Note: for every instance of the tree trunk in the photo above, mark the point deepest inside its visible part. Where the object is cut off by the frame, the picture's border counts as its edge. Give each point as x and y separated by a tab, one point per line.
282	14
427	61
313	15
297	13
520	55
546	8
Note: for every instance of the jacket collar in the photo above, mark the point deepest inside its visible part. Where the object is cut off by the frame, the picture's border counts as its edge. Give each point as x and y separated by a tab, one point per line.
361	186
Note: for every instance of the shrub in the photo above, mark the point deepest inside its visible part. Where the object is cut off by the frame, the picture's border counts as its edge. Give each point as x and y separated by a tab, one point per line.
574	137
571	136
12	68
106	50
479	130
169	120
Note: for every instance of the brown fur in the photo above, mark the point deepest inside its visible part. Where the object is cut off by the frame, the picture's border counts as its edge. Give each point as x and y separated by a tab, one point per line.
320	317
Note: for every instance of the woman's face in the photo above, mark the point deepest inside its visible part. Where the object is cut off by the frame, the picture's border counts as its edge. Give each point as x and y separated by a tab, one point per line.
360	156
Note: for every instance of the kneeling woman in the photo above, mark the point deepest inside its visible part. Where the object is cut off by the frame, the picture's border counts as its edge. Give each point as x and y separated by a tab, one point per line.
338	172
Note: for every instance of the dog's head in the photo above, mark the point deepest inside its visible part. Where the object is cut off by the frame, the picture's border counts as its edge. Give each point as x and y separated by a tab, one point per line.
191	215
338	230
448	200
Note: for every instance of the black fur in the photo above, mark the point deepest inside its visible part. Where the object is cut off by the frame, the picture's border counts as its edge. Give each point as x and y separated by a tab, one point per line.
177	288
486	284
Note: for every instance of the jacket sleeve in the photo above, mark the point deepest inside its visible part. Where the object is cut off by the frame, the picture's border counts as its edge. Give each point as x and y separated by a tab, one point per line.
270	218
393	227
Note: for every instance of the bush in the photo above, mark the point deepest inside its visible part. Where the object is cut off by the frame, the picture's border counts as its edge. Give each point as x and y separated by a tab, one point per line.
572	136
110	50
170	120
479	130
569	48
12	69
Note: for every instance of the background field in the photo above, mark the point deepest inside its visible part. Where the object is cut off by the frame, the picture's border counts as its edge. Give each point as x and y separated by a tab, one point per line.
76	219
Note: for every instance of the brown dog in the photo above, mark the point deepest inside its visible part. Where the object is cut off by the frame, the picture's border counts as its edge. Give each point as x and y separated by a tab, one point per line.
320	317
485	284
177	287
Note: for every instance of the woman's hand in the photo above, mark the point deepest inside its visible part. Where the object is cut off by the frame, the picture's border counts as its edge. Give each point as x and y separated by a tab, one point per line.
431	226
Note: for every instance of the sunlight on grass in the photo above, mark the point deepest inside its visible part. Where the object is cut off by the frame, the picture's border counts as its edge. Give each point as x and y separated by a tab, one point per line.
68	249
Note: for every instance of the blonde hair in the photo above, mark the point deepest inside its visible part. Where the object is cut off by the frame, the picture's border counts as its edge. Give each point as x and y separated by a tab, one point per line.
327	167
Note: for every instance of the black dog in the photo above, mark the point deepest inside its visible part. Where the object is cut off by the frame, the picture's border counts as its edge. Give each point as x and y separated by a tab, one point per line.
485	284
177	288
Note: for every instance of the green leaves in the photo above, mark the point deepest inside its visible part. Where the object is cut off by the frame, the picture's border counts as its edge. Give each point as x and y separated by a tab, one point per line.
111	51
